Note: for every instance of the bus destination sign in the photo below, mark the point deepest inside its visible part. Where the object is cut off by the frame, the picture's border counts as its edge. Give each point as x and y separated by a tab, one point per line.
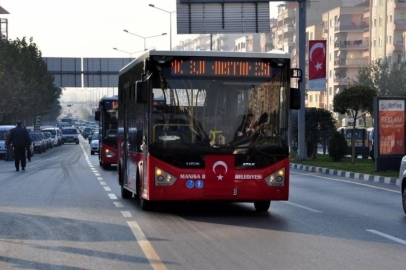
220	68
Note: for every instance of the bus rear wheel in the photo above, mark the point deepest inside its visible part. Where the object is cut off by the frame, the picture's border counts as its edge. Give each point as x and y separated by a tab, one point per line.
262	206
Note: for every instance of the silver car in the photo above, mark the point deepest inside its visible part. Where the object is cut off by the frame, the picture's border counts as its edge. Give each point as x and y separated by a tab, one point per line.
402	182
3	132
94	144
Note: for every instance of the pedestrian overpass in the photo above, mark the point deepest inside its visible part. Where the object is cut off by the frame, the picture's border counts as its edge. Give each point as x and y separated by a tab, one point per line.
85	72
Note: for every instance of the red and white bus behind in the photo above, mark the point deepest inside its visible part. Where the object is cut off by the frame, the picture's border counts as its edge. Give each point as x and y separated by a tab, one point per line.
107	116
183	117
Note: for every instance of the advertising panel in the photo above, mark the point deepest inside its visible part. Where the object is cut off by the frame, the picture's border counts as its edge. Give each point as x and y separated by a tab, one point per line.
391	117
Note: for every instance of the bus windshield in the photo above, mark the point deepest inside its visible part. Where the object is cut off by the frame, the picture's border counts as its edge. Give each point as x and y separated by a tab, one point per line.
109	125
227	114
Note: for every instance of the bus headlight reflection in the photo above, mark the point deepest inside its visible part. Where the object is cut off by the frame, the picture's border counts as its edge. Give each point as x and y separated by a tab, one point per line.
163	178
276	179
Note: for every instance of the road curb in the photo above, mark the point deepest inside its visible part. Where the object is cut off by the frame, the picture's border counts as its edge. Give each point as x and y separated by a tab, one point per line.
352	175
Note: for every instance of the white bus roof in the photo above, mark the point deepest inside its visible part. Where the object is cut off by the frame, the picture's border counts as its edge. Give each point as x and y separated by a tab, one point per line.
270	54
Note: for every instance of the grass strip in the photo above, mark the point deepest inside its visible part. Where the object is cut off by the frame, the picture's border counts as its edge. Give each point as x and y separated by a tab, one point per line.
365	166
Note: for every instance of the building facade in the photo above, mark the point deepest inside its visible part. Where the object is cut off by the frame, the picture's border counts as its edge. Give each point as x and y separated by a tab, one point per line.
3	25
388	30
344	29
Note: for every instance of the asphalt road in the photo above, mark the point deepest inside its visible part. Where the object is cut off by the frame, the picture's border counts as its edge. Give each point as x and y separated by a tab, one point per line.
65	212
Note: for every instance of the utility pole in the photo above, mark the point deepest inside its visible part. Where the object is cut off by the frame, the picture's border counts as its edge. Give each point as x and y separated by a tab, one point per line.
302	152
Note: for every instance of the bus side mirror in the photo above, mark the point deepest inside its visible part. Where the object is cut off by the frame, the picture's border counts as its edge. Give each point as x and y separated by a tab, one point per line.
142	91
97	115
294	98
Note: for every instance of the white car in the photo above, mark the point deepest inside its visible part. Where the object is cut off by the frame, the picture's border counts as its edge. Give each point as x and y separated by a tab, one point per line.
94	144
402	181
70	135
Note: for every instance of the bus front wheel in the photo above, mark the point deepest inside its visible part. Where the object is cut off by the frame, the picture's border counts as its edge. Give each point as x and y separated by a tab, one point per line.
146	205
404	198
262	206
125	193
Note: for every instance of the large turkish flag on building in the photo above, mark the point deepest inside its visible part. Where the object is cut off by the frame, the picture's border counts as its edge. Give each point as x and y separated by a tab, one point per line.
317	65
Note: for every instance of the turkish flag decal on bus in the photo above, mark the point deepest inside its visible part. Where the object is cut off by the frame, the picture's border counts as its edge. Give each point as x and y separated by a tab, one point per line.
220	175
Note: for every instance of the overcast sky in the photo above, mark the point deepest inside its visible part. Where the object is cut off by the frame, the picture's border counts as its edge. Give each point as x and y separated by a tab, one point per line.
92	28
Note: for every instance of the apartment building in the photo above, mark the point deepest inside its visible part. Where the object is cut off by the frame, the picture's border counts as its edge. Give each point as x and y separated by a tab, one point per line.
3	25
388	26
199	43
225	42
248	43
285	30
344	29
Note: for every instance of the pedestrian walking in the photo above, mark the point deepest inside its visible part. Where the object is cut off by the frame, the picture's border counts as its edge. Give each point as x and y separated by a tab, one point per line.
20	138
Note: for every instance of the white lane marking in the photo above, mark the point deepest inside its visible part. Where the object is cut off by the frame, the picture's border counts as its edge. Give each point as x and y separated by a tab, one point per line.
93	169
107	188
118	204
100	178
146	246
345	181
112	196
390	237
97	174
103	183
303	207
126	214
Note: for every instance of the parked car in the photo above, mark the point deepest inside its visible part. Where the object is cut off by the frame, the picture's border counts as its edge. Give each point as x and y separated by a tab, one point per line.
43	139
49	138
402	182
94	145
57	139
37	143
70	135
3	132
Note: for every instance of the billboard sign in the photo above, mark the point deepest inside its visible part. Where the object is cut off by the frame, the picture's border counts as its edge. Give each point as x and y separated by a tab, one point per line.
391	130
218	16
389	135
37	123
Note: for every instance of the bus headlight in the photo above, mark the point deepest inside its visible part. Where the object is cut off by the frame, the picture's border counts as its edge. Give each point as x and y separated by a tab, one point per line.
276	179
163	178
109	153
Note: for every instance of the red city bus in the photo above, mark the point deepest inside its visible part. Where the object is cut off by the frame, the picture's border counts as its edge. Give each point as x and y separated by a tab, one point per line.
106	114
184	136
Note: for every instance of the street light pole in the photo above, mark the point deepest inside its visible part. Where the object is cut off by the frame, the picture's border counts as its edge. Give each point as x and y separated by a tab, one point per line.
145	38
170	23
129	52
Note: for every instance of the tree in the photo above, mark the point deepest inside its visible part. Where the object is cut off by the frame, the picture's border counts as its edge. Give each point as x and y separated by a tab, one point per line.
319	127
27	89
385	78
354	101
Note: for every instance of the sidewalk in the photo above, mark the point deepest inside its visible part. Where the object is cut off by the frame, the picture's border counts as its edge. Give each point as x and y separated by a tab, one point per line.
352	175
